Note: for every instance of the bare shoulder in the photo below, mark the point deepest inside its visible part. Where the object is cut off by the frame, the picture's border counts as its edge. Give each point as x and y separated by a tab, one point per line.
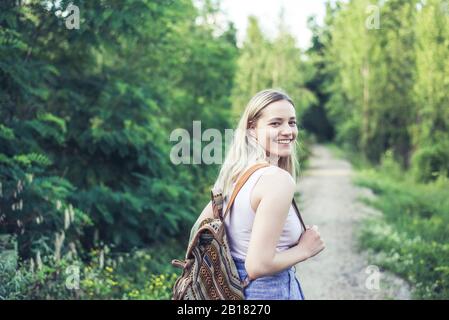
275	181
279	177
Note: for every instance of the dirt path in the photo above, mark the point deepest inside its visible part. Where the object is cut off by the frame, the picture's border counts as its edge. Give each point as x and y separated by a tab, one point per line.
330	200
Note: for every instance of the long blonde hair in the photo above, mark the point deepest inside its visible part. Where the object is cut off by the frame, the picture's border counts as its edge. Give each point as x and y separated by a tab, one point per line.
245	151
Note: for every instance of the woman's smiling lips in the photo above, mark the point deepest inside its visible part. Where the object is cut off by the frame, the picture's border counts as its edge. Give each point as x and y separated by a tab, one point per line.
284	141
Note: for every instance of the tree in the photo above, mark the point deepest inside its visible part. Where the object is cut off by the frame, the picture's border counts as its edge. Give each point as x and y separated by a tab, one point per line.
265	63
371	99
91	109
431	90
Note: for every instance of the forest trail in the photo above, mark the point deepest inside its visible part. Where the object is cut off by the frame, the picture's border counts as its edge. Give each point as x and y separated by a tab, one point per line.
330	200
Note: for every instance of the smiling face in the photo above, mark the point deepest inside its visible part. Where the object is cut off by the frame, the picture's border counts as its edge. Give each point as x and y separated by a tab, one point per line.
276	128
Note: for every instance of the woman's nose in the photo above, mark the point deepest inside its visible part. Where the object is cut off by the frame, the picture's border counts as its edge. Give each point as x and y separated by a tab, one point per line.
286	130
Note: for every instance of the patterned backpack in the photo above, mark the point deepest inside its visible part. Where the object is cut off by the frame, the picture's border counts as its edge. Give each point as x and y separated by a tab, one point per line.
209	272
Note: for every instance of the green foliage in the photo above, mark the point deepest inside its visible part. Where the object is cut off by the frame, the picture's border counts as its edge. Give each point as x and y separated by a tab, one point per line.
430	161
412	237
315	118
431	130
388	99
380	99
388	87
371	84
141	274
35	204
86	115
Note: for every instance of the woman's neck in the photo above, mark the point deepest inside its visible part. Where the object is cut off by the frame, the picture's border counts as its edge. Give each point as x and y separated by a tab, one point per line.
273	160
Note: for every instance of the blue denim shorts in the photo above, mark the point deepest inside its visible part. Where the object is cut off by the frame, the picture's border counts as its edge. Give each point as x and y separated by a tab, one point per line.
280	286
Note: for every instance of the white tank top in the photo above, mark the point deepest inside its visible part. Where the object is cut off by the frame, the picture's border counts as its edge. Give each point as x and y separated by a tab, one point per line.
239	221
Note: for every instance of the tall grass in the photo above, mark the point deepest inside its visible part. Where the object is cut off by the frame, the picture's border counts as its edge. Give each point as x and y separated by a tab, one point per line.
142	274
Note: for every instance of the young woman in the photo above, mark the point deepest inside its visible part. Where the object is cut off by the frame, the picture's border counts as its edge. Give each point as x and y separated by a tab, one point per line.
265	235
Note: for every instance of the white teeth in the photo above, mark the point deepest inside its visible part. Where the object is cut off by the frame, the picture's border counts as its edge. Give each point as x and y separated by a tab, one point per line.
284	141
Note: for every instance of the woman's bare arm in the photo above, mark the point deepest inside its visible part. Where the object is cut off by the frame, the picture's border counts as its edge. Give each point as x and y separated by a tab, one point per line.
276	193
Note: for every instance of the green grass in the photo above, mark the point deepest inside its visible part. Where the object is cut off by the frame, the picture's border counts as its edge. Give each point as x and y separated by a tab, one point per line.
411	238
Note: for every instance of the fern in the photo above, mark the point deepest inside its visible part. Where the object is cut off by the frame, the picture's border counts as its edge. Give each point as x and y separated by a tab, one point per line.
6	133
33	159
52	119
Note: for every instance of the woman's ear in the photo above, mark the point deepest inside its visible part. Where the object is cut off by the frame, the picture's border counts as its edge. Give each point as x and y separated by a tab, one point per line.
252	130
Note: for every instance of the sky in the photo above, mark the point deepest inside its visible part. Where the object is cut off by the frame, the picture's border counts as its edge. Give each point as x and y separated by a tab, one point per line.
296	13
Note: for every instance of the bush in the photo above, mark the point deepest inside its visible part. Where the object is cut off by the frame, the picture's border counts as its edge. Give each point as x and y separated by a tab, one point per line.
431	161
142	274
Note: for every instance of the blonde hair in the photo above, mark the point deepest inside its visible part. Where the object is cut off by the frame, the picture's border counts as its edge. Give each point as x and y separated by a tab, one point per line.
245	151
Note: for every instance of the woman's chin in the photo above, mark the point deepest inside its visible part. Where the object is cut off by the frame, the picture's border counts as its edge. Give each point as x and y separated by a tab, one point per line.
282	154
285	154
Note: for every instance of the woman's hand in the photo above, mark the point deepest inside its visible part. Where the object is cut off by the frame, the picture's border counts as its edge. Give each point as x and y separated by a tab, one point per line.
310	242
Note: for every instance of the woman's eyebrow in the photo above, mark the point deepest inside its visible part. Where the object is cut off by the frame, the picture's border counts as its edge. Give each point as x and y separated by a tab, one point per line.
280	119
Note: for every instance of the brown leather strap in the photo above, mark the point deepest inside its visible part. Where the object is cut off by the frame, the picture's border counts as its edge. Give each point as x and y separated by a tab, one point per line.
242	180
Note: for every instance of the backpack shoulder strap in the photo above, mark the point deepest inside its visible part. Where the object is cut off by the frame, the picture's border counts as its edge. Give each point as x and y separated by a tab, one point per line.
216	196
241	181
298	213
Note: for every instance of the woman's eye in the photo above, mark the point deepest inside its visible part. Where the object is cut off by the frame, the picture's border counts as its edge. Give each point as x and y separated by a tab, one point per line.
275	123
293	123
